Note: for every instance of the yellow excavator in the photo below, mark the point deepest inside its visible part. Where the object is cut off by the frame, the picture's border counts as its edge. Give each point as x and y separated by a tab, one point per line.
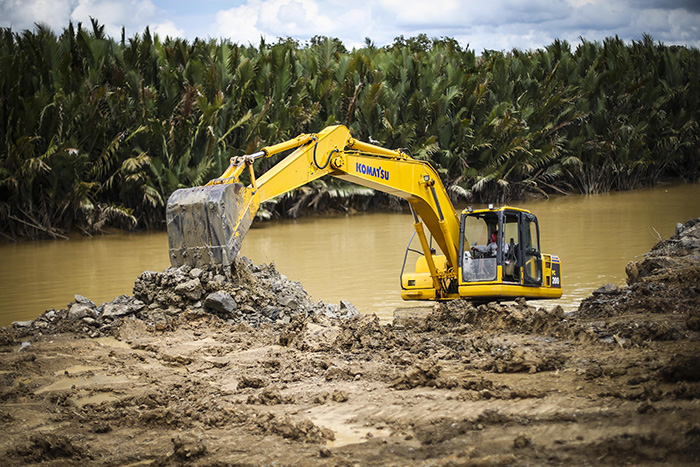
487	254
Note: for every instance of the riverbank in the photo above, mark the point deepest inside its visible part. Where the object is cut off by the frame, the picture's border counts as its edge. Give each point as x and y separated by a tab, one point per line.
243	368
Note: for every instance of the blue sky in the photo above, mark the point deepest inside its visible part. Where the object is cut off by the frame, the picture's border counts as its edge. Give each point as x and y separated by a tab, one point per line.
490	24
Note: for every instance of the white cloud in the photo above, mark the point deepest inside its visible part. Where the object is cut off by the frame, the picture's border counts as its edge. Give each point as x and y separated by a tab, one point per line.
304	19
133	15
495	24
167	28
23	14
601	17
299	19
419	13
490	24
683	29
240	23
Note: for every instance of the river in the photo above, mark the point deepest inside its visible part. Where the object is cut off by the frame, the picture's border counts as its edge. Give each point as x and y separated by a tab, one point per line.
354	257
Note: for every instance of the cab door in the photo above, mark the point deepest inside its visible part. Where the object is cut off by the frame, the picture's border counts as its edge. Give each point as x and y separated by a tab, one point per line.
530	250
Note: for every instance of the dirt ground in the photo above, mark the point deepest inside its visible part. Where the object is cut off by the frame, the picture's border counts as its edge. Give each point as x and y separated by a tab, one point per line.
172	376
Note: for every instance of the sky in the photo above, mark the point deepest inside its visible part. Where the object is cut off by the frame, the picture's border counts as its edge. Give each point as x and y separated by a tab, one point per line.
476	24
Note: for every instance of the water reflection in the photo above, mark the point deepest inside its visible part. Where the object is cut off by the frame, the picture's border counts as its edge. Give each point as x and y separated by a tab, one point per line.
357	258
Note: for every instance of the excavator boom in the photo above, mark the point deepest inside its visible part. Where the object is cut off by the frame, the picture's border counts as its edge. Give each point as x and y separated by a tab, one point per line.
206	225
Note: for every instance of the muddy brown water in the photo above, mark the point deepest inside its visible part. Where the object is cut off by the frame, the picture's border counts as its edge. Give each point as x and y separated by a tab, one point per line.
356	257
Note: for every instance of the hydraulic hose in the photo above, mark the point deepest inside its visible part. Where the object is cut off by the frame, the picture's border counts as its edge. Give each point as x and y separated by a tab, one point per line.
330	156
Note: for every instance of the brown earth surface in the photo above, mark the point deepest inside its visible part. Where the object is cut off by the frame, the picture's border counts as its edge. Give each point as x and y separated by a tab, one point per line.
240	368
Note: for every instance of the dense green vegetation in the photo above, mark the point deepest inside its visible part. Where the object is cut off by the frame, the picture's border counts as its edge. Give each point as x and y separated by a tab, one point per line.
96	131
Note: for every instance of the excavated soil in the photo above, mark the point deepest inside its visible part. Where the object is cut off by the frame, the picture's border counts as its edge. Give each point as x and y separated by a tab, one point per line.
238	367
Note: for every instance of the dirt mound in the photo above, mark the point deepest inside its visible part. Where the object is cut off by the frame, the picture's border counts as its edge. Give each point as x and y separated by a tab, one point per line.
45	447
666	281
461	316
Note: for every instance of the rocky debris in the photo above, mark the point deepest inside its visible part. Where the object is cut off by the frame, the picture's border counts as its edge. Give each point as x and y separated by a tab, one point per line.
680	251
221	302
82	308
121	306
242	293
343	311
191	289
254	294
22	324
607	289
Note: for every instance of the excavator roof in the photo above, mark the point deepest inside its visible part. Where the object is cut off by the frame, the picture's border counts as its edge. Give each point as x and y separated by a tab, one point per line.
470	210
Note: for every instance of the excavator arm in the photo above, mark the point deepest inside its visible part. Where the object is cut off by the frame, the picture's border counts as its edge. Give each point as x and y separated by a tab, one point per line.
207	224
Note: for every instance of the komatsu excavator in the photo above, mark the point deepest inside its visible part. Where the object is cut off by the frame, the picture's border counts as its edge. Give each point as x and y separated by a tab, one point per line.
487	254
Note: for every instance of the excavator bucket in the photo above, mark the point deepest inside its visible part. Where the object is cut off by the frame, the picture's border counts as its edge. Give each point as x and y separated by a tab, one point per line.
206	224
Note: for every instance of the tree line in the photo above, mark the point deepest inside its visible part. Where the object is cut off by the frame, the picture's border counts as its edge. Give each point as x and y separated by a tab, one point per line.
97	131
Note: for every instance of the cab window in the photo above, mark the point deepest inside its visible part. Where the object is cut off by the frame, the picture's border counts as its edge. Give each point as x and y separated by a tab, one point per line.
480	255
531	251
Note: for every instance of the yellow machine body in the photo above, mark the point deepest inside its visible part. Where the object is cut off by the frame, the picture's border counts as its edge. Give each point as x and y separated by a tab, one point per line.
499	259
206	225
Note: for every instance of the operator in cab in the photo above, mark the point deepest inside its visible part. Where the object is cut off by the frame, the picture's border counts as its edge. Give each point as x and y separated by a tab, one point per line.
490	249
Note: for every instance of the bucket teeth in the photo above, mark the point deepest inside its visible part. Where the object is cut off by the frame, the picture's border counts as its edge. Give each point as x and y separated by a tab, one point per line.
206	225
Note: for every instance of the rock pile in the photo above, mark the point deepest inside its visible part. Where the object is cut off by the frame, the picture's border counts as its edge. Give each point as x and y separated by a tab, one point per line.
254	294
250	293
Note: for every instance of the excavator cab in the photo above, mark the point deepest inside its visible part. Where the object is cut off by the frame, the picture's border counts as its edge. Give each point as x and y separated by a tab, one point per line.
499	258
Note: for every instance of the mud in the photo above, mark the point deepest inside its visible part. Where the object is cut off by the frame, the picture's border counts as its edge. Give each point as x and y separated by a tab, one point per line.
240	367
